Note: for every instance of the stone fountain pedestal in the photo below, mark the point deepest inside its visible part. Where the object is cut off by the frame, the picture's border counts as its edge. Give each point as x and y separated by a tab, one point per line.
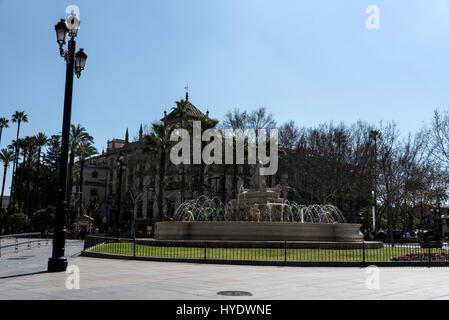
258	231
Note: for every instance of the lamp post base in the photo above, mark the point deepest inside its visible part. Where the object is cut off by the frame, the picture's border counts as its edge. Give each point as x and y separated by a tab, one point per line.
57	265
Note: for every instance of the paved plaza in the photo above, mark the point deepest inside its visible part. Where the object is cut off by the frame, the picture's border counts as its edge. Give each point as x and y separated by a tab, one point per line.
23	276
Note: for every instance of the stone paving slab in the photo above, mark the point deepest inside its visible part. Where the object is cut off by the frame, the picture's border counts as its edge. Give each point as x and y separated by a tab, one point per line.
106	279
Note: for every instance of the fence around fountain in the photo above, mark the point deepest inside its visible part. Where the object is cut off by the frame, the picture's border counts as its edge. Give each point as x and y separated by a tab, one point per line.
282	253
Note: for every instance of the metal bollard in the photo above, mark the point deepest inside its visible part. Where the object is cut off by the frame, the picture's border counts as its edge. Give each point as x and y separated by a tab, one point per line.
16	245
364	257
29	241
285	251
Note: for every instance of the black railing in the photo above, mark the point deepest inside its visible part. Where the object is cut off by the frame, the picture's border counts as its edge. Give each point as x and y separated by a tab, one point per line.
21	240
268	252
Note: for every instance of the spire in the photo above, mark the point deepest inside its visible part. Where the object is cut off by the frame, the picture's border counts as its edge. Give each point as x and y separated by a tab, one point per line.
207	113
126	136
140	132
187	92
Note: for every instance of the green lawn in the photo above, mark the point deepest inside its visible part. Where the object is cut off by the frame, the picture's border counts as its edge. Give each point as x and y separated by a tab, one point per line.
266	254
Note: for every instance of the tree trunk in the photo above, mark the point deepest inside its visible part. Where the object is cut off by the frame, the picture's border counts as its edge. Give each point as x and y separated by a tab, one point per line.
390	223
160	195
1	196
14	168
201	180
69	178
234	180
19	182
81	183
27	188
36	180
223	184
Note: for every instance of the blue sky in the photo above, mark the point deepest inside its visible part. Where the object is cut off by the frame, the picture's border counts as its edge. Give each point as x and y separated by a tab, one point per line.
311	61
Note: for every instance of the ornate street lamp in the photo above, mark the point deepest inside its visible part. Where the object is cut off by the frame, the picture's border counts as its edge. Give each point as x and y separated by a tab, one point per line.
121	165
73	65
80	62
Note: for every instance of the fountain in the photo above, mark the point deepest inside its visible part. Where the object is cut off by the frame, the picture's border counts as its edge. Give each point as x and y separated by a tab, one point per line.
258	214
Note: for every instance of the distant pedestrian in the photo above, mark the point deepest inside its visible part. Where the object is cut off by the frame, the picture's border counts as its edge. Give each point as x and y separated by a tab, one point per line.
83	233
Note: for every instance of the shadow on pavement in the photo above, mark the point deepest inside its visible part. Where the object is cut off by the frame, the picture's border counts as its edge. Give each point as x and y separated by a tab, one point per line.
22	275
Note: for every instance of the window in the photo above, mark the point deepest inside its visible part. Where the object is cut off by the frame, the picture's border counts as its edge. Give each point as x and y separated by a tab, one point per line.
93	192
94	174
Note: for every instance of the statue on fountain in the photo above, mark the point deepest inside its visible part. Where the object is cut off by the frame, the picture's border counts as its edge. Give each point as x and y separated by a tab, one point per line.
259	181
254	213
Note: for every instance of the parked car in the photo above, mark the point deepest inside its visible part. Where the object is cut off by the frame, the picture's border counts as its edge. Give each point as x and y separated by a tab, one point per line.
380	236
430	235
384	236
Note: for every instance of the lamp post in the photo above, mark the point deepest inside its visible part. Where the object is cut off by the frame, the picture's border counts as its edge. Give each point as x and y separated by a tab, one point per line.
121	166
373	135
74	64
148	188
182	173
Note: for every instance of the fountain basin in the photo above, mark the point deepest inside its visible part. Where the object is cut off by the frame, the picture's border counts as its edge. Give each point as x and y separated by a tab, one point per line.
257	231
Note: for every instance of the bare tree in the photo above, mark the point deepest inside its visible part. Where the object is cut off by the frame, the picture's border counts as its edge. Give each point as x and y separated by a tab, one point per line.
261	119
440	136
235	120
289	135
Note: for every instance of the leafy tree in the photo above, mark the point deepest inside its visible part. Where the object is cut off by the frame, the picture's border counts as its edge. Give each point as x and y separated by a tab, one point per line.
52	156
43	219
18	222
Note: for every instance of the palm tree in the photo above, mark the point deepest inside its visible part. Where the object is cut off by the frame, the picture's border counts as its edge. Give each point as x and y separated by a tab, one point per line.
6	156
30	145
182	106
206	123
158	144
19	117
78	136
4	123
84	150
41	140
